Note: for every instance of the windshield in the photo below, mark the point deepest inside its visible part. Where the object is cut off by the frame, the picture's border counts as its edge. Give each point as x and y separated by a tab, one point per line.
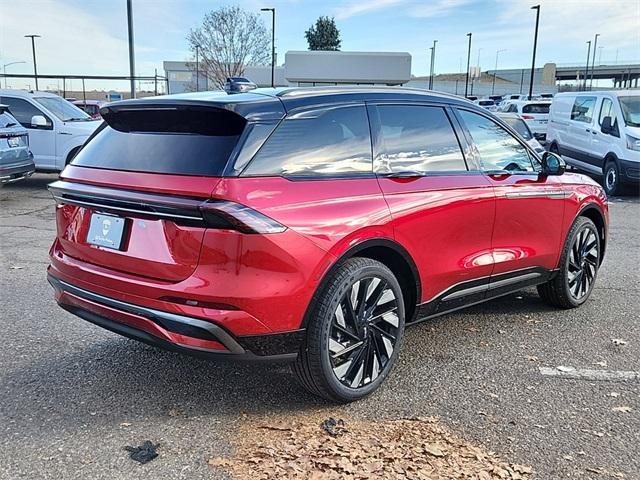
62	109
630	110
519	126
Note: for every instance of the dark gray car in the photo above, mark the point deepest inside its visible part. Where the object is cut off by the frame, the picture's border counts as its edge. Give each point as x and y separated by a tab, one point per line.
16	160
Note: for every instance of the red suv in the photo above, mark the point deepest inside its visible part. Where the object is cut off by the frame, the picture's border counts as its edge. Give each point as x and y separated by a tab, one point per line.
312	225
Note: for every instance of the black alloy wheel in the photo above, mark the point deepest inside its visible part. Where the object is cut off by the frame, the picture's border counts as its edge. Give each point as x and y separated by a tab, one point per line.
363	332
354	332
578	268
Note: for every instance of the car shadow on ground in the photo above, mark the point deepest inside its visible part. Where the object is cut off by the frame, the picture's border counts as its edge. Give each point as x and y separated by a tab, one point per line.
117	379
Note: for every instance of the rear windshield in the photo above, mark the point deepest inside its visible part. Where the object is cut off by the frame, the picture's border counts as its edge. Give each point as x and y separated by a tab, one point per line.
179	142
486	103
536	108
7	120
519	126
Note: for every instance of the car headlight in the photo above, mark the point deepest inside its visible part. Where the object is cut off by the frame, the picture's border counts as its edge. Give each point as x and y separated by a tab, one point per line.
633	143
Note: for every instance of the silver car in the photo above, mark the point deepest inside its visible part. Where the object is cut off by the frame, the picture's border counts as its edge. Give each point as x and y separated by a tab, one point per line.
238	85
16	160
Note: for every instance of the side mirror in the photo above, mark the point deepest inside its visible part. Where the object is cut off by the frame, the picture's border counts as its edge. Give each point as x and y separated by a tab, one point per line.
608	128
39	121
553	164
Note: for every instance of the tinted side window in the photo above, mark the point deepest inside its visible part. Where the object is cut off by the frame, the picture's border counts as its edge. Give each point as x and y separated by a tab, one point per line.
497	148
329	142
22	110
582	110
417	139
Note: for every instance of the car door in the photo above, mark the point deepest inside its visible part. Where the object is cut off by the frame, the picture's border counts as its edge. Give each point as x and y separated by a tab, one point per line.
42	140
581	127
601	142
442	208
529	206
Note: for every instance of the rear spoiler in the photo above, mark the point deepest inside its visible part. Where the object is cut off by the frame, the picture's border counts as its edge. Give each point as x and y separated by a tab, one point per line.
185	119
250	107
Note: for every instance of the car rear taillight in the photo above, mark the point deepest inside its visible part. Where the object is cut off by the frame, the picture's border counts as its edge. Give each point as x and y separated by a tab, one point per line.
528	117
223	214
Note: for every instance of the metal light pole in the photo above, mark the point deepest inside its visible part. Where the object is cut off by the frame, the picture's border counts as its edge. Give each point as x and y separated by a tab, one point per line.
593	62
33	49
4	70
466	84
535	45
273	43
586	70
433	57
132	62
197	69
493	86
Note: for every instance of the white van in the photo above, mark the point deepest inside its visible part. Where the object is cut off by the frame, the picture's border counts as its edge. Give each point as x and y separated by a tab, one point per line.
57	128
598	132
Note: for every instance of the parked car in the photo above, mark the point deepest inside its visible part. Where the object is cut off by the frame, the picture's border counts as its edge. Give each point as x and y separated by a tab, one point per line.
487	104
496	98
90	107
16	161
534	112
599	132
238	85
57	129
312	224
516	122
509	98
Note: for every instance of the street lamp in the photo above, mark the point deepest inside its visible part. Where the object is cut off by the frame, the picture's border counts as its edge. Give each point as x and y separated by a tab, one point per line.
593	62
466	84
535	45
132	61
33	49
273	43
433	57
586	70
197	69
4	70
493	87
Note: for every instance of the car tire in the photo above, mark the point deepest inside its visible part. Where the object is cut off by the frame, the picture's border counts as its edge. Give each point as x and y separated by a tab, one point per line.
361	304
579	263
611	178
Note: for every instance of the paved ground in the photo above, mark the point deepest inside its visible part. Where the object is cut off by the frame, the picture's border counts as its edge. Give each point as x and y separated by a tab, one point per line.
72	395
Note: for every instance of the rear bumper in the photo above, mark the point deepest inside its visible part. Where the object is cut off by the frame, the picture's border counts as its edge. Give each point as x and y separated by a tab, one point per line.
171	331
13	173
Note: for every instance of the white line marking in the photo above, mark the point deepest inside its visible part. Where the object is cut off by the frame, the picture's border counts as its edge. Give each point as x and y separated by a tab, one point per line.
586	374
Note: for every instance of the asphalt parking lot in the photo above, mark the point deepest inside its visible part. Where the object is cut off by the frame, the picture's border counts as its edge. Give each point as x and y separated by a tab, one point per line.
73	395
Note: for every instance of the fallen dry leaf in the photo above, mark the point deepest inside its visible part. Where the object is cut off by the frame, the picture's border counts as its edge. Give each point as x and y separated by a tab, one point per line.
433	450
623	409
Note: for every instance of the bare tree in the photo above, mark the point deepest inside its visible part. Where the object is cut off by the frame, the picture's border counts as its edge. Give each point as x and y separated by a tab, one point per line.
228	40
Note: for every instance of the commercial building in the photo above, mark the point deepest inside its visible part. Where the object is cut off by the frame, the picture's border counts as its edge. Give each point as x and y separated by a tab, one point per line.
309	68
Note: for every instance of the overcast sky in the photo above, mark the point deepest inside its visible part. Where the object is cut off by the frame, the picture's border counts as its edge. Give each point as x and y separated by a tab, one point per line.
90	36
